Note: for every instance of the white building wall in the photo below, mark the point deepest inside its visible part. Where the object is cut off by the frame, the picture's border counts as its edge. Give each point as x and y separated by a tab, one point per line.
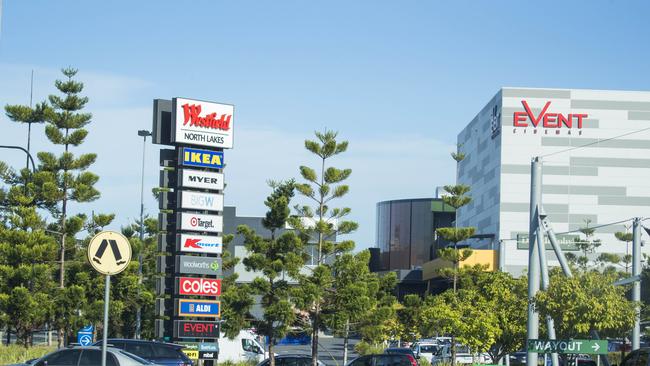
605	182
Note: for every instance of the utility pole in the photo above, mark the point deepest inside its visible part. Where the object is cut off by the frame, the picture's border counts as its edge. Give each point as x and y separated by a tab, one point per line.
533	255
138	314
636	287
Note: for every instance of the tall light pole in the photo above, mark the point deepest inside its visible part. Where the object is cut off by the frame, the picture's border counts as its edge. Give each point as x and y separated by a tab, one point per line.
138	314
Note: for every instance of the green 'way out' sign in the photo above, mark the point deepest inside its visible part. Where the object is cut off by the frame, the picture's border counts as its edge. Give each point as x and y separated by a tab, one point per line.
584	346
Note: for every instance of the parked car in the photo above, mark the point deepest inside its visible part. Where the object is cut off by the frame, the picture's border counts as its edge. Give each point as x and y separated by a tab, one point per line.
384	360
402	351
639	357
290	360
243	348
426	350
464	356
161	353
88	356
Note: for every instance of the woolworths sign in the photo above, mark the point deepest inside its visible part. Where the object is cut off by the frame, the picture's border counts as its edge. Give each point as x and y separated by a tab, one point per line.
198	265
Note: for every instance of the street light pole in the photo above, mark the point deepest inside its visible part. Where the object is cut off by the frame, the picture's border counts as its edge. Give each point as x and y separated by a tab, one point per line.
138	314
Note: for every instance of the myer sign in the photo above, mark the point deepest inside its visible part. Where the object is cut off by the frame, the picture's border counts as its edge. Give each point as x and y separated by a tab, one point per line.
199	179
202	123
198	265
201	201
199	222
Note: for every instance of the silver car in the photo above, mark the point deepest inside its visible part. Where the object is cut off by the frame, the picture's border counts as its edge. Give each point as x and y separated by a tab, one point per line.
89	356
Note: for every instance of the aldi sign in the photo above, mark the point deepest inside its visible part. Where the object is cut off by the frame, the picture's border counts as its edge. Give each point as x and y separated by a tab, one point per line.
198	265
202	123
191	178
201	158
200	201
196	329
199	222
199	308
199	244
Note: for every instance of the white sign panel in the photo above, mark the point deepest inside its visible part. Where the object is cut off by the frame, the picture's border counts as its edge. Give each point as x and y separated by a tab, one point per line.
201	201
199	244
199	179
200	123
199	222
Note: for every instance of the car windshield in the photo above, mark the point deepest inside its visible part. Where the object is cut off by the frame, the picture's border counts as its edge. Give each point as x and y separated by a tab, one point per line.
399	350
141	360
429	348
462	349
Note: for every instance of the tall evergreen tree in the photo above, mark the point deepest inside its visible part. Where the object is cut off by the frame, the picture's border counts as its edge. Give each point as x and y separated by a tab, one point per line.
70	180
322	224
29	115
352	296
272	259
456	197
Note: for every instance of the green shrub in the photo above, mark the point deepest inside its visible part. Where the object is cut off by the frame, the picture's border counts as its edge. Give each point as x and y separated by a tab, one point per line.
241	363
423	361
17	354
363	348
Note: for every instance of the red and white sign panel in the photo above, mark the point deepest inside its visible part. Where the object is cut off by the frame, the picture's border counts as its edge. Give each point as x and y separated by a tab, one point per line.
200	123
200	222
199	286
199	244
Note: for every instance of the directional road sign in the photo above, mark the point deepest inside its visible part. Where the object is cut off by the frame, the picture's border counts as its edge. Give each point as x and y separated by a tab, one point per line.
109	252
583	346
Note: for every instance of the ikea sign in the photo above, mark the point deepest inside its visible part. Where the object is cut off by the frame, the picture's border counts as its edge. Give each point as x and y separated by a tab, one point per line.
201	158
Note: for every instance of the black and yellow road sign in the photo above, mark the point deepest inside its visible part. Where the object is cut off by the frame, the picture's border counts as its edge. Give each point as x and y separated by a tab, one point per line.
109	252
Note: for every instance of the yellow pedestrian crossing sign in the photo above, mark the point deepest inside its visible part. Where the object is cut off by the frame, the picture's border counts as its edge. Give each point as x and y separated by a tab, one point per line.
109	252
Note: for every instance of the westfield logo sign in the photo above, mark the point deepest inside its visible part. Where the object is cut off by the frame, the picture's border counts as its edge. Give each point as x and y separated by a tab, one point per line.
547	119
192	115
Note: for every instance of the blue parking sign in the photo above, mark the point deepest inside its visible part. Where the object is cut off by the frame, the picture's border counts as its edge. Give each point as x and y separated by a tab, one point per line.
85	335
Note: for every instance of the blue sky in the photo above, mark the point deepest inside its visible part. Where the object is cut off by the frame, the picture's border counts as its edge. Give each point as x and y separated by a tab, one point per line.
397	79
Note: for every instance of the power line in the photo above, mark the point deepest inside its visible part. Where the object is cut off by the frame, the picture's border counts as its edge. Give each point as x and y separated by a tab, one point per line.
597	226
596	142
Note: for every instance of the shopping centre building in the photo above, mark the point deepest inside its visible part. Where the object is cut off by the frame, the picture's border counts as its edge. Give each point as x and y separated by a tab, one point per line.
596	167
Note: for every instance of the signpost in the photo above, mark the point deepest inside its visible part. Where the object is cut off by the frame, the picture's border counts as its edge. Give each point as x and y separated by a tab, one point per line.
108	264
573	346
85	335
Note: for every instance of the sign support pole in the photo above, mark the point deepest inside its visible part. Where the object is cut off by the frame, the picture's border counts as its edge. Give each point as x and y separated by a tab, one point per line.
533	256
636	287
107	295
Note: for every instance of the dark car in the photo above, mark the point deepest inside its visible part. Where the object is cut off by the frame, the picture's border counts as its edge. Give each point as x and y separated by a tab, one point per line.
167	354
402	351
290	360
640	357
396	359
88	356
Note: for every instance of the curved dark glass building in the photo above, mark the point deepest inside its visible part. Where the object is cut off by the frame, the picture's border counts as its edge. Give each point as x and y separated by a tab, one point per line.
406	231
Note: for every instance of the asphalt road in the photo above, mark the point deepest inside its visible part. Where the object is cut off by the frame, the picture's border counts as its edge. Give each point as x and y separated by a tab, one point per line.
330	351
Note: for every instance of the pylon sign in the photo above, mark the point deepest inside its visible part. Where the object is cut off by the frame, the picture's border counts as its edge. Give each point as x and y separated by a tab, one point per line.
191	218
109	252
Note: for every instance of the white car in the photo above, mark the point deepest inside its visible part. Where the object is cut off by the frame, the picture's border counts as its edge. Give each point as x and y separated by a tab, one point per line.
89	356
426	350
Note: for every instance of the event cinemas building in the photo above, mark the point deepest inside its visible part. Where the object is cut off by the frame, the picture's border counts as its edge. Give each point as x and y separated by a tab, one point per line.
606	181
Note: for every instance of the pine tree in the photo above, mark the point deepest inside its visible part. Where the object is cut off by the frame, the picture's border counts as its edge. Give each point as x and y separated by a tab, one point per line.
70	180
322	224
29	115
273	259
586	245
352	295
456	197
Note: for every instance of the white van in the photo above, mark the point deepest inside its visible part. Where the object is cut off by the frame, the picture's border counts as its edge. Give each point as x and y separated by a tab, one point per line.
244	347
